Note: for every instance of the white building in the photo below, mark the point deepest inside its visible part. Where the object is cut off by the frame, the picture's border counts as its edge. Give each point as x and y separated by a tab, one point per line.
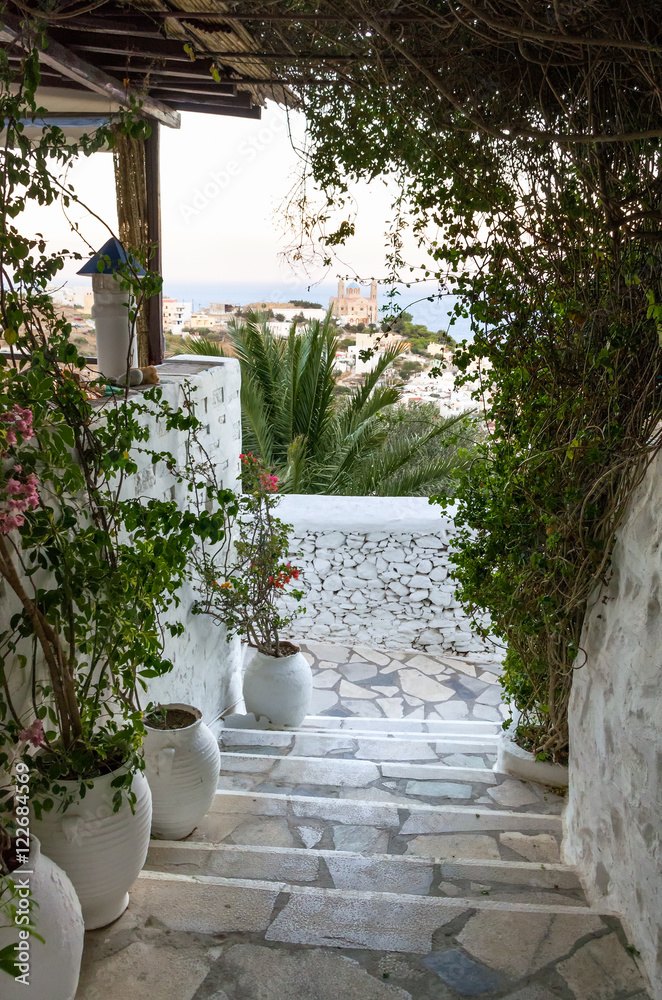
176	315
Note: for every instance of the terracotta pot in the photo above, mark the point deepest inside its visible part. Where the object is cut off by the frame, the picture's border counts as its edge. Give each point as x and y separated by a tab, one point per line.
279	688
100	850
52	967
182	767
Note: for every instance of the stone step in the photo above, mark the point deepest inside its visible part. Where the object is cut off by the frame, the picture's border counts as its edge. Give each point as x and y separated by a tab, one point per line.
386	921
376	827
424	747
507	881
401	783
368	726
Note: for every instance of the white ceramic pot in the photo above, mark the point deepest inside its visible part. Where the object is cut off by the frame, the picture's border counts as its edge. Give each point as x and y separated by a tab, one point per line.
512	759
100	850
278	687
182	767
52	966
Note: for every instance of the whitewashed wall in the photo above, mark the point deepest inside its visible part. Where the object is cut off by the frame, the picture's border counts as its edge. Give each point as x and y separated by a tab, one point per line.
375	570
207	670
614	815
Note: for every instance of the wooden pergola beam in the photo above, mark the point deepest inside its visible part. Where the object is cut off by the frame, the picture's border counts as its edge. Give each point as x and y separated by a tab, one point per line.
68	64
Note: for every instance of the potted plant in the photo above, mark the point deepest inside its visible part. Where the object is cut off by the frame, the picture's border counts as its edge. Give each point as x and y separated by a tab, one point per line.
182	763
243	583
41	946
85	570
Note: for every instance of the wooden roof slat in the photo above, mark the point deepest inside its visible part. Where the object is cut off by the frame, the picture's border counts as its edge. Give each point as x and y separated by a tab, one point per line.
220	109
70	65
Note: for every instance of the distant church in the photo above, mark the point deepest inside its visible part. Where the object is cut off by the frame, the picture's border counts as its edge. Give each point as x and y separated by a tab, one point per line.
353	307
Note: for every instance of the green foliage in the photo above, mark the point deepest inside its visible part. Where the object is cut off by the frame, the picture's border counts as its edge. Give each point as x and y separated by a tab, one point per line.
319	442
88	571
303	304
244	579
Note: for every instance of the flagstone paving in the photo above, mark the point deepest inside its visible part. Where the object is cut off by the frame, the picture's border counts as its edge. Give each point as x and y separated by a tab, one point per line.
373	854
406	684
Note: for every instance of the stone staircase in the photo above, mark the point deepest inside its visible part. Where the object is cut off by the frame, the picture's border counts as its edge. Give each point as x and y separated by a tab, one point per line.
368	859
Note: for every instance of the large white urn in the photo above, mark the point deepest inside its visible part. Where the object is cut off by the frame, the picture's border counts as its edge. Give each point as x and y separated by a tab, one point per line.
279	688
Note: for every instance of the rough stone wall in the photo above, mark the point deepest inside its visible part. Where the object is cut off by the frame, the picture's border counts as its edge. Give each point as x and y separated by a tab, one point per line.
207	671
375	570
614	815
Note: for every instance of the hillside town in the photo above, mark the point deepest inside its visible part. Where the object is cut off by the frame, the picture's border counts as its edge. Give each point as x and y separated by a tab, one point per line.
425	367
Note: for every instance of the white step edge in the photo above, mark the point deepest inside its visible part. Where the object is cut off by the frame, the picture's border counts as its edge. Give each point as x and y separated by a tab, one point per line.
283	738
366	723
355	812
496	870
421	771
428	902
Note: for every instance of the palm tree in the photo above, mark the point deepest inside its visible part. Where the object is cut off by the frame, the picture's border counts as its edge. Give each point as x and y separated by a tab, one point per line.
316	443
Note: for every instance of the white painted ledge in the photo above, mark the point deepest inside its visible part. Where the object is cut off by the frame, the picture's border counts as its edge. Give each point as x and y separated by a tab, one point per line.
391	515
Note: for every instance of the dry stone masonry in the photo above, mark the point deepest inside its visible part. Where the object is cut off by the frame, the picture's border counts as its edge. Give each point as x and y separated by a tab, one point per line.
376	570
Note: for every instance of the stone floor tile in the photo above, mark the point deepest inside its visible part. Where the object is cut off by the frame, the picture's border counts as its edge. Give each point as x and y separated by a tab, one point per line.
427	665
215	827
308	657
600	970
453	710
384	923
162	969
472	846
347	812
489	678
415	683
518	944
349	690
539	847
377	875
358	671
466	977
263	832
310	835
391	707
360	839
533	992
486	712
439	789
413	701
492	696
373	795
387	690
418	713
392	666
512	793
326	678
373	656
325	771
255	970
464	760
462	665
363	708
245	762
204	907
325	651
319	744
322	701
398	749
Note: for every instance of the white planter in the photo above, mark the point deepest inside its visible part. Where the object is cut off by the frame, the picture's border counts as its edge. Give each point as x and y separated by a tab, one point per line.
182	767
100	850
54	964
280	688
512	759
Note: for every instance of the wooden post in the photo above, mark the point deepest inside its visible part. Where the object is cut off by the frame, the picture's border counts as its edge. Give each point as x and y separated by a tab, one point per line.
153	182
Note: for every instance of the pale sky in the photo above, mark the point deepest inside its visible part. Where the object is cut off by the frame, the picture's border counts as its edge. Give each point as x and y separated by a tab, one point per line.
223	181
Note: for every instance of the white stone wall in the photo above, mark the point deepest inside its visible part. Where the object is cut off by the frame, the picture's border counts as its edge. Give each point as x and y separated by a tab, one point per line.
375	570
614	815
207	670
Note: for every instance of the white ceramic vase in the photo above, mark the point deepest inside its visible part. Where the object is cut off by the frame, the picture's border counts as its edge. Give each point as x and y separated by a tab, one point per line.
101	851
512	759
52	966
278	687
182	767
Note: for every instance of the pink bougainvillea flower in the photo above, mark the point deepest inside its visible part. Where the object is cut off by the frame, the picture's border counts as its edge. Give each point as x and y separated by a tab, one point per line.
34	734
